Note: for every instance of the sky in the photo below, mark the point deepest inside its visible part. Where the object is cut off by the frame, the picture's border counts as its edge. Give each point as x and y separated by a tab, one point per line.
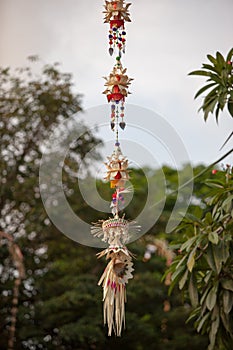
165	41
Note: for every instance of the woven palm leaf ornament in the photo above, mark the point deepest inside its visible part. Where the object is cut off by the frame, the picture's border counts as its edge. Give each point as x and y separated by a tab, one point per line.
116	14
116	231
117	88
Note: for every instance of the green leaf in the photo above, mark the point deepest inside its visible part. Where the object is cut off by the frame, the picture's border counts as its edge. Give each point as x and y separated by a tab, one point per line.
208	218
212	59
215	181
230	105
225	320
211	298
227	301
191	260
208	101
217	79
204	88
213	237
208	276
172	285
229	55
200	72
213	184
220	60
201	323
211	96
202	300
181	261
177	272
210	258
183	279
222	99
212	68
214	328
194	314
228	238
221	254
187	245
193	293
217	112
208	106
227	203
217	258
227	284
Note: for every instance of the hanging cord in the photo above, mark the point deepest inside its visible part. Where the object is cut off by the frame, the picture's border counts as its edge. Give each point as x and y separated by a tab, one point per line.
117	143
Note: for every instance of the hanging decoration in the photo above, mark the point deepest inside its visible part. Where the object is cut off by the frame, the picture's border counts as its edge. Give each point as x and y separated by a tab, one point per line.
117	165
117	85
116	14
116	231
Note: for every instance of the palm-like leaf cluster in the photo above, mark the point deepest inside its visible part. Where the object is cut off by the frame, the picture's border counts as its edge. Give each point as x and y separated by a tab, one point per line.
220	79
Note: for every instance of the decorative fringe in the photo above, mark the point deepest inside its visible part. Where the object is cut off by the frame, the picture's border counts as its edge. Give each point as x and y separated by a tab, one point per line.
116	275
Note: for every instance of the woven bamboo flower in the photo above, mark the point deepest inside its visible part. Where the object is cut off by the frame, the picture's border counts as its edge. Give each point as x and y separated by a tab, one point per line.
116	9
119	79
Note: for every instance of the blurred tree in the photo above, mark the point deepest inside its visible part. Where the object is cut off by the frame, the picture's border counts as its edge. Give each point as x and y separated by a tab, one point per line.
30	108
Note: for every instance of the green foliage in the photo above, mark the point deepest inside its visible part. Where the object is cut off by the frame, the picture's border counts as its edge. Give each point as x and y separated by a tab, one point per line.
203	268
31	106
220	79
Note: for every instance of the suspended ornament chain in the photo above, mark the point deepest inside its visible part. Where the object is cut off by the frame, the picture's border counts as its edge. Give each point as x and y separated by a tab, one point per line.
116	14
116	231
117	89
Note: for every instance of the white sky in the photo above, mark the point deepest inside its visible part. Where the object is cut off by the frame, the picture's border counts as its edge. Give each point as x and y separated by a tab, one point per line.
165	41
